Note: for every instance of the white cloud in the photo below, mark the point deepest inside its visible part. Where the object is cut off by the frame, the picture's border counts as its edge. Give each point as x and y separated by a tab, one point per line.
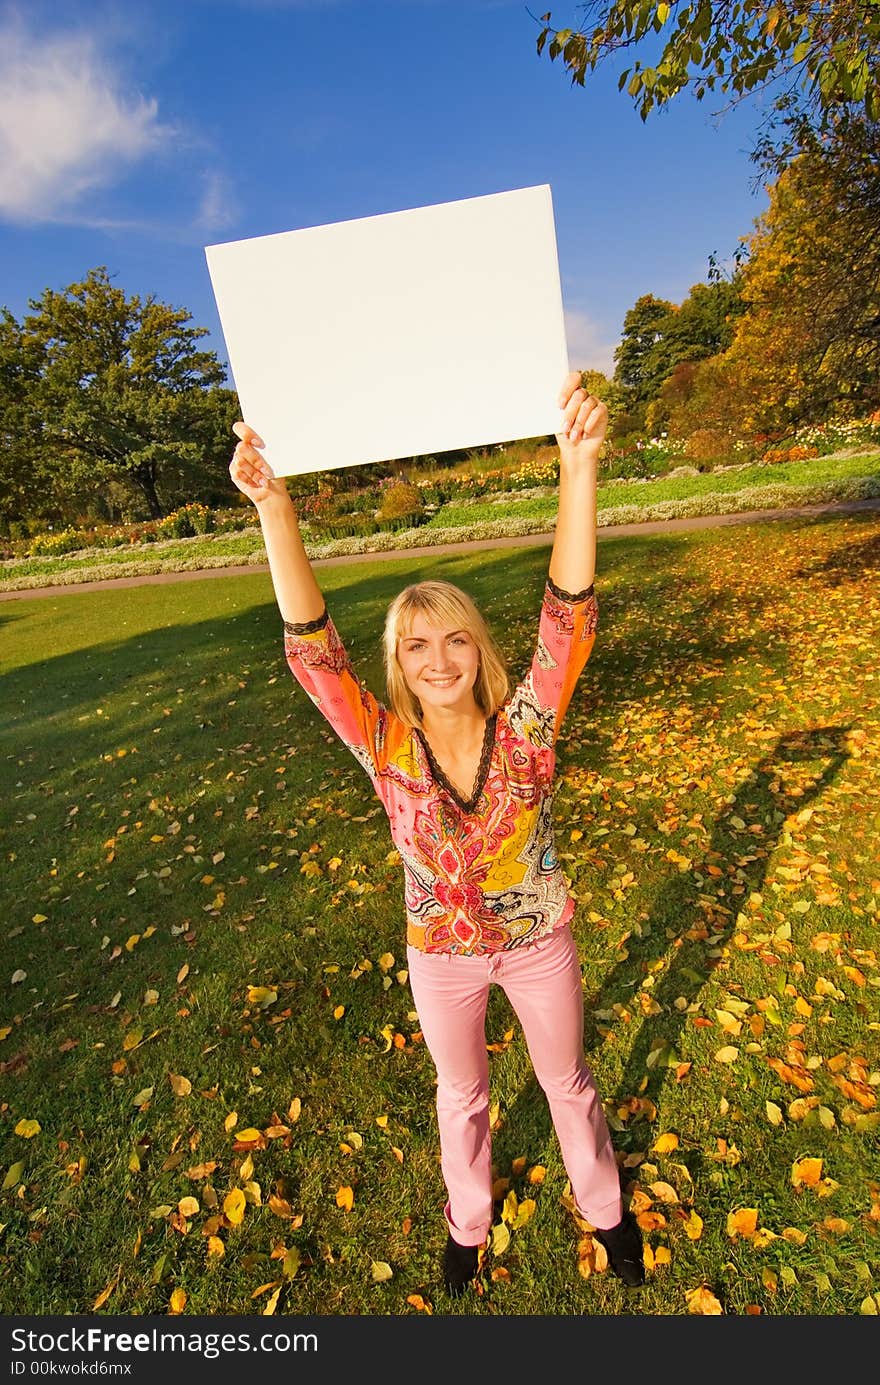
587	348
218	206
66	128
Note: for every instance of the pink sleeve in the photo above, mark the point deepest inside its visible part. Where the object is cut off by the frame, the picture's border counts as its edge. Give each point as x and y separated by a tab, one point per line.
319	662
566	634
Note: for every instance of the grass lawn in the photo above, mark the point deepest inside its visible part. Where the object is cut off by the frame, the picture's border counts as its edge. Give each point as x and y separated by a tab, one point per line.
611	494
215	1094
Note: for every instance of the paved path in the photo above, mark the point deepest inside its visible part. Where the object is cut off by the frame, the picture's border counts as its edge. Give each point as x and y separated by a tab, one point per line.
611	531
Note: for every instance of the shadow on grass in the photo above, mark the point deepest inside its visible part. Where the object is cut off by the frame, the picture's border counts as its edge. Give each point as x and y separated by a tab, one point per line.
692	919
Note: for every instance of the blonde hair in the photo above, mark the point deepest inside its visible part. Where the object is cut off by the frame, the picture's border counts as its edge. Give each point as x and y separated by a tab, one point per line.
447	606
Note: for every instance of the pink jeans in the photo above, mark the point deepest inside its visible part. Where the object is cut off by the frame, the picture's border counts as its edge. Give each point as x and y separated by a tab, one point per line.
543	984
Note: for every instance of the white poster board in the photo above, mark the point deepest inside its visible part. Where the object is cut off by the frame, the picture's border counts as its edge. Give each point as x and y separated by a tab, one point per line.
400	335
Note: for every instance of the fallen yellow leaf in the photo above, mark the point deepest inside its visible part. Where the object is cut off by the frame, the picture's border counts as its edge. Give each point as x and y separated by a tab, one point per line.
806	1172
665	1143
416	1301
234	1204
743	1222
702	1300
693	1227
345	1198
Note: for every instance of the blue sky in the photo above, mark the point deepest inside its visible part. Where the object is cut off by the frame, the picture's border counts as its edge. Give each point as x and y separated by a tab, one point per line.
132	136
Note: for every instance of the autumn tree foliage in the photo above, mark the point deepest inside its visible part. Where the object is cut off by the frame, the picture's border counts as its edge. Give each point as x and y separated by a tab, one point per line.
811	64
661	343
808	344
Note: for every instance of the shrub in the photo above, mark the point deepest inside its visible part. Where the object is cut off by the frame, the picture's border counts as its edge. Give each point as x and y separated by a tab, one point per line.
797	453
186	522
707	446
64	541
402	501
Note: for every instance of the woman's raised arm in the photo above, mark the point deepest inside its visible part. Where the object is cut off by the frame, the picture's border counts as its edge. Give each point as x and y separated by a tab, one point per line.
299	597
582	432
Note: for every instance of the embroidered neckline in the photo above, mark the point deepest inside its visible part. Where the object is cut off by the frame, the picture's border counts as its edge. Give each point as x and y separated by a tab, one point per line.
466	805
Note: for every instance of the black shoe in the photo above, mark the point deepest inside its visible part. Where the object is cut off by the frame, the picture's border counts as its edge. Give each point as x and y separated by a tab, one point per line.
623	1243
460	1266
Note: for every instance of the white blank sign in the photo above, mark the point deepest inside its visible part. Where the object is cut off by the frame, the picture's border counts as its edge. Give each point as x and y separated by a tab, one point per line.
400	335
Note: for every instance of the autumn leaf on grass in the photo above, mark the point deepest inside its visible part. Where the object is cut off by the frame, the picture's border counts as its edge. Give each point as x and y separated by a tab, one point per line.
664	1192
262	996
345	1198
797	1077
665	1143
728	1054
836	1225
592	1257
27	1129
13	1175
381	1271
234	1204
856	1091
180	1086
794	1236
524	1214
202	1170
651	1221
500	1235
272	1302
806	1172
248	1139
177	1302
702	1300
743	1222
422	1305
651	1258
105	1293
693	1227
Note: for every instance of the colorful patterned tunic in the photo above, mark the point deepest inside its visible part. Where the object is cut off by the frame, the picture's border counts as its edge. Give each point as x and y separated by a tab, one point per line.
480	875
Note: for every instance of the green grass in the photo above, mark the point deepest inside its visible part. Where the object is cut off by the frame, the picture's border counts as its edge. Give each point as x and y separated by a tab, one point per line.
611	494
718	806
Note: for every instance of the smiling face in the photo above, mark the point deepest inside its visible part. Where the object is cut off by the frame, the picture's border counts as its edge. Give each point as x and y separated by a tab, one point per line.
440	664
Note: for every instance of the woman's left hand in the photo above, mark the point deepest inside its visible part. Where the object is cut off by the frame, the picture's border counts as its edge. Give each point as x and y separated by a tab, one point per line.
584	422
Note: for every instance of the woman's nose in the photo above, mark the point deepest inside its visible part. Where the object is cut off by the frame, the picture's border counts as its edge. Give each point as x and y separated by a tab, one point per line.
440	660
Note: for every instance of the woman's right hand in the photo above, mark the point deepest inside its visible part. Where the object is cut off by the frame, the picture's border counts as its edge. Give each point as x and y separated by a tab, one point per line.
249	470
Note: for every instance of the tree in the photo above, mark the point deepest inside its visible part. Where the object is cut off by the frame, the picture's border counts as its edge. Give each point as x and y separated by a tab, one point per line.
808	343
816	61
658	337
96	387
643	327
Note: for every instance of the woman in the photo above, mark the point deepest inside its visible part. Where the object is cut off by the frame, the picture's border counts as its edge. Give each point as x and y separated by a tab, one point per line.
464	772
